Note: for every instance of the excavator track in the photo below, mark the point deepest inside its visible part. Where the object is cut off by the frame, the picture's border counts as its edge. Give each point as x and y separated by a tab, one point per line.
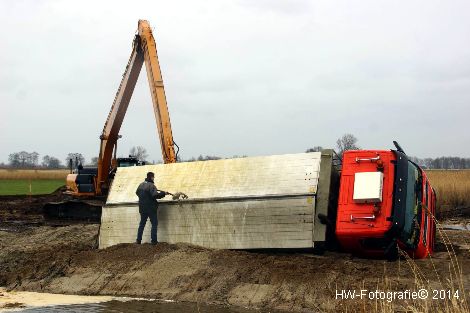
75	210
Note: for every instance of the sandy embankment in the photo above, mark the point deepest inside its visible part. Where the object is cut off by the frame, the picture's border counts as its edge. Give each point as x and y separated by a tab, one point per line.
65	260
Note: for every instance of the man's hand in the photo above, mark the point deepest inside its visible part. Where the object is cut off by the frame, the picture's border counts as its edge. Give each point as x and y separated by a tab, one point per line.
158	194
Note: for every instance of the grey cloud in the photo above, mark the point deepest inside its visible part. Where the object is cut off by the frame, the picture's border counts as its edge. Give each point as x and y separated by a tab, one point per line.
241	77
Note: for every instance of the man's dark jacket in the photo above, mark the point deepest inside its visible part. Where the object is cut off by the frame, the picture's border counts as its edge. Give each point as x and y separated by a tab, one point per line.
148	195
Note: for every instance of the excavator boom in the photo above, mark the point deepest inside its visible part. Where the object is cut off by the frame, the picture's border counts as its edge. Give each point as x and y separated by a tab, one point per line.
155	80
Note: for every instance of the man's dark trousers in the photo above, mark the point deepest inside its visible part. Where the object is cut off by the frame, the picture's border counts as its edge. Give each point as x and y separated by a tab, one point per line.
153	220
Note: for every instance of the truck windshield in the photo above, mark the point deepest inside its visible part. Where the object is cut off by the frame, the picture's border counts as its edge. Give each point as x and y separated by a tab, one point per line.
412	221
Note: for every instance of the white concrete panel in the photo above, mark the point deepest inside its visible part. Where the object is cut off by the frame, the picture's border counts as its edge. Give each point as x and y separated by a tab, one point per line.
246	224
267	175
246	203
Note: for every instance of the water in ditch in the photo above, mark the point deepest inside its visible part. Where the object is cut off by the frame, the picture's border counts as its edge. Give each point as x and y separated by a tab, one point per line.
36	302
134	306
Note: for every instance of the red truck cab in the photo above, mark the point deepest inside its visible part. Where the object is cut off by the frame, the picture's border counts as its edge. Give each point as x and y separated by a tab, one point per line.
385	201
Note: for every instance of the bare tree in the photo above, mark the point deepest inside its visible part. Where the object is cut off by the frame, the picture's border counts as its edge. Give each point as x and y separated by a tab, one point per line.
94	161
34	158
50	162
208	157
14	159
346	142
23	159
315	149
77	158
139	152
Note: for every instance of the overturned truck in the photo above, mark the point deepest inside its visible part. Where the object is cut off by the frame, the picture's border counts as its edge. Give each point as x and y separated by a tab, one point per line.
378	203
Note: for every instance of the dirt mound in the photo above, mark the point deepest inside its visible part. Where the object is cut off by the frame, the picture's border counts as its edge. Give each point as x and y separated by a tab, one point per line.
65	260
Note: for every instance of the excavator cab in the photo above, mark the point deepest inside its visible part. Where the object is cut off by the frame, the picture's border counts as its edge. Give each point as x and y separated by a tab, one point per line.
130	161
82	182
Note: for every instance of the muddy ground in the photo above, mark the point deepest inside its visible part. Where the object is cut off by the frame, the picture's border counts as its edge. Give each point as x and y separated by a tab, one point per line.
25	210
62	258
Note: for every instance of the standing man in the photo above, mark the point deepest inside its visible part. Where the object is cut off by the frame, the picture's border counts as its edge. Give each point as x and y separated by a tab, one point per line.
148	195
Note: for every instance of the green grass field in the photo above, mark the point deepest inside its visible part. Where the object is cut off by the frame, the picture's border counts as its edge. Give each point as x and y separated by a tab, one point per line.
21	186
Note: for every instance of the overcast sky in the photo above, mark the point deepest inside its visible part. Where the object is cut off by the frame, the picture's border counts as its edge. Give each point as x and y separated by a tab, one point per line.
241	77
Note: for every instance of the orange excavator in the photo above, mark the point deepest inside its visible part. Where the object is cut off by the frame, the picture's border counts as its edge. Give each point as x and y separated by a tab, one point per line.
87	187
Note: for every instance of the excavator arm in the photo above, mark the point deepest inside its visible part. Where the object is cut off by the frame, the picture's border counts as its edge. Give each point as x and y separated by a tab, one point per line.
144	49
155	80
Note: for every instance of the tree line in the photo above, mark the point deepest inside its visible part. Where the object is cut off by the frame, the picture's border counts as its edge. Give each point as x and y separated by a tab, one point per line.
446	162
24	159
